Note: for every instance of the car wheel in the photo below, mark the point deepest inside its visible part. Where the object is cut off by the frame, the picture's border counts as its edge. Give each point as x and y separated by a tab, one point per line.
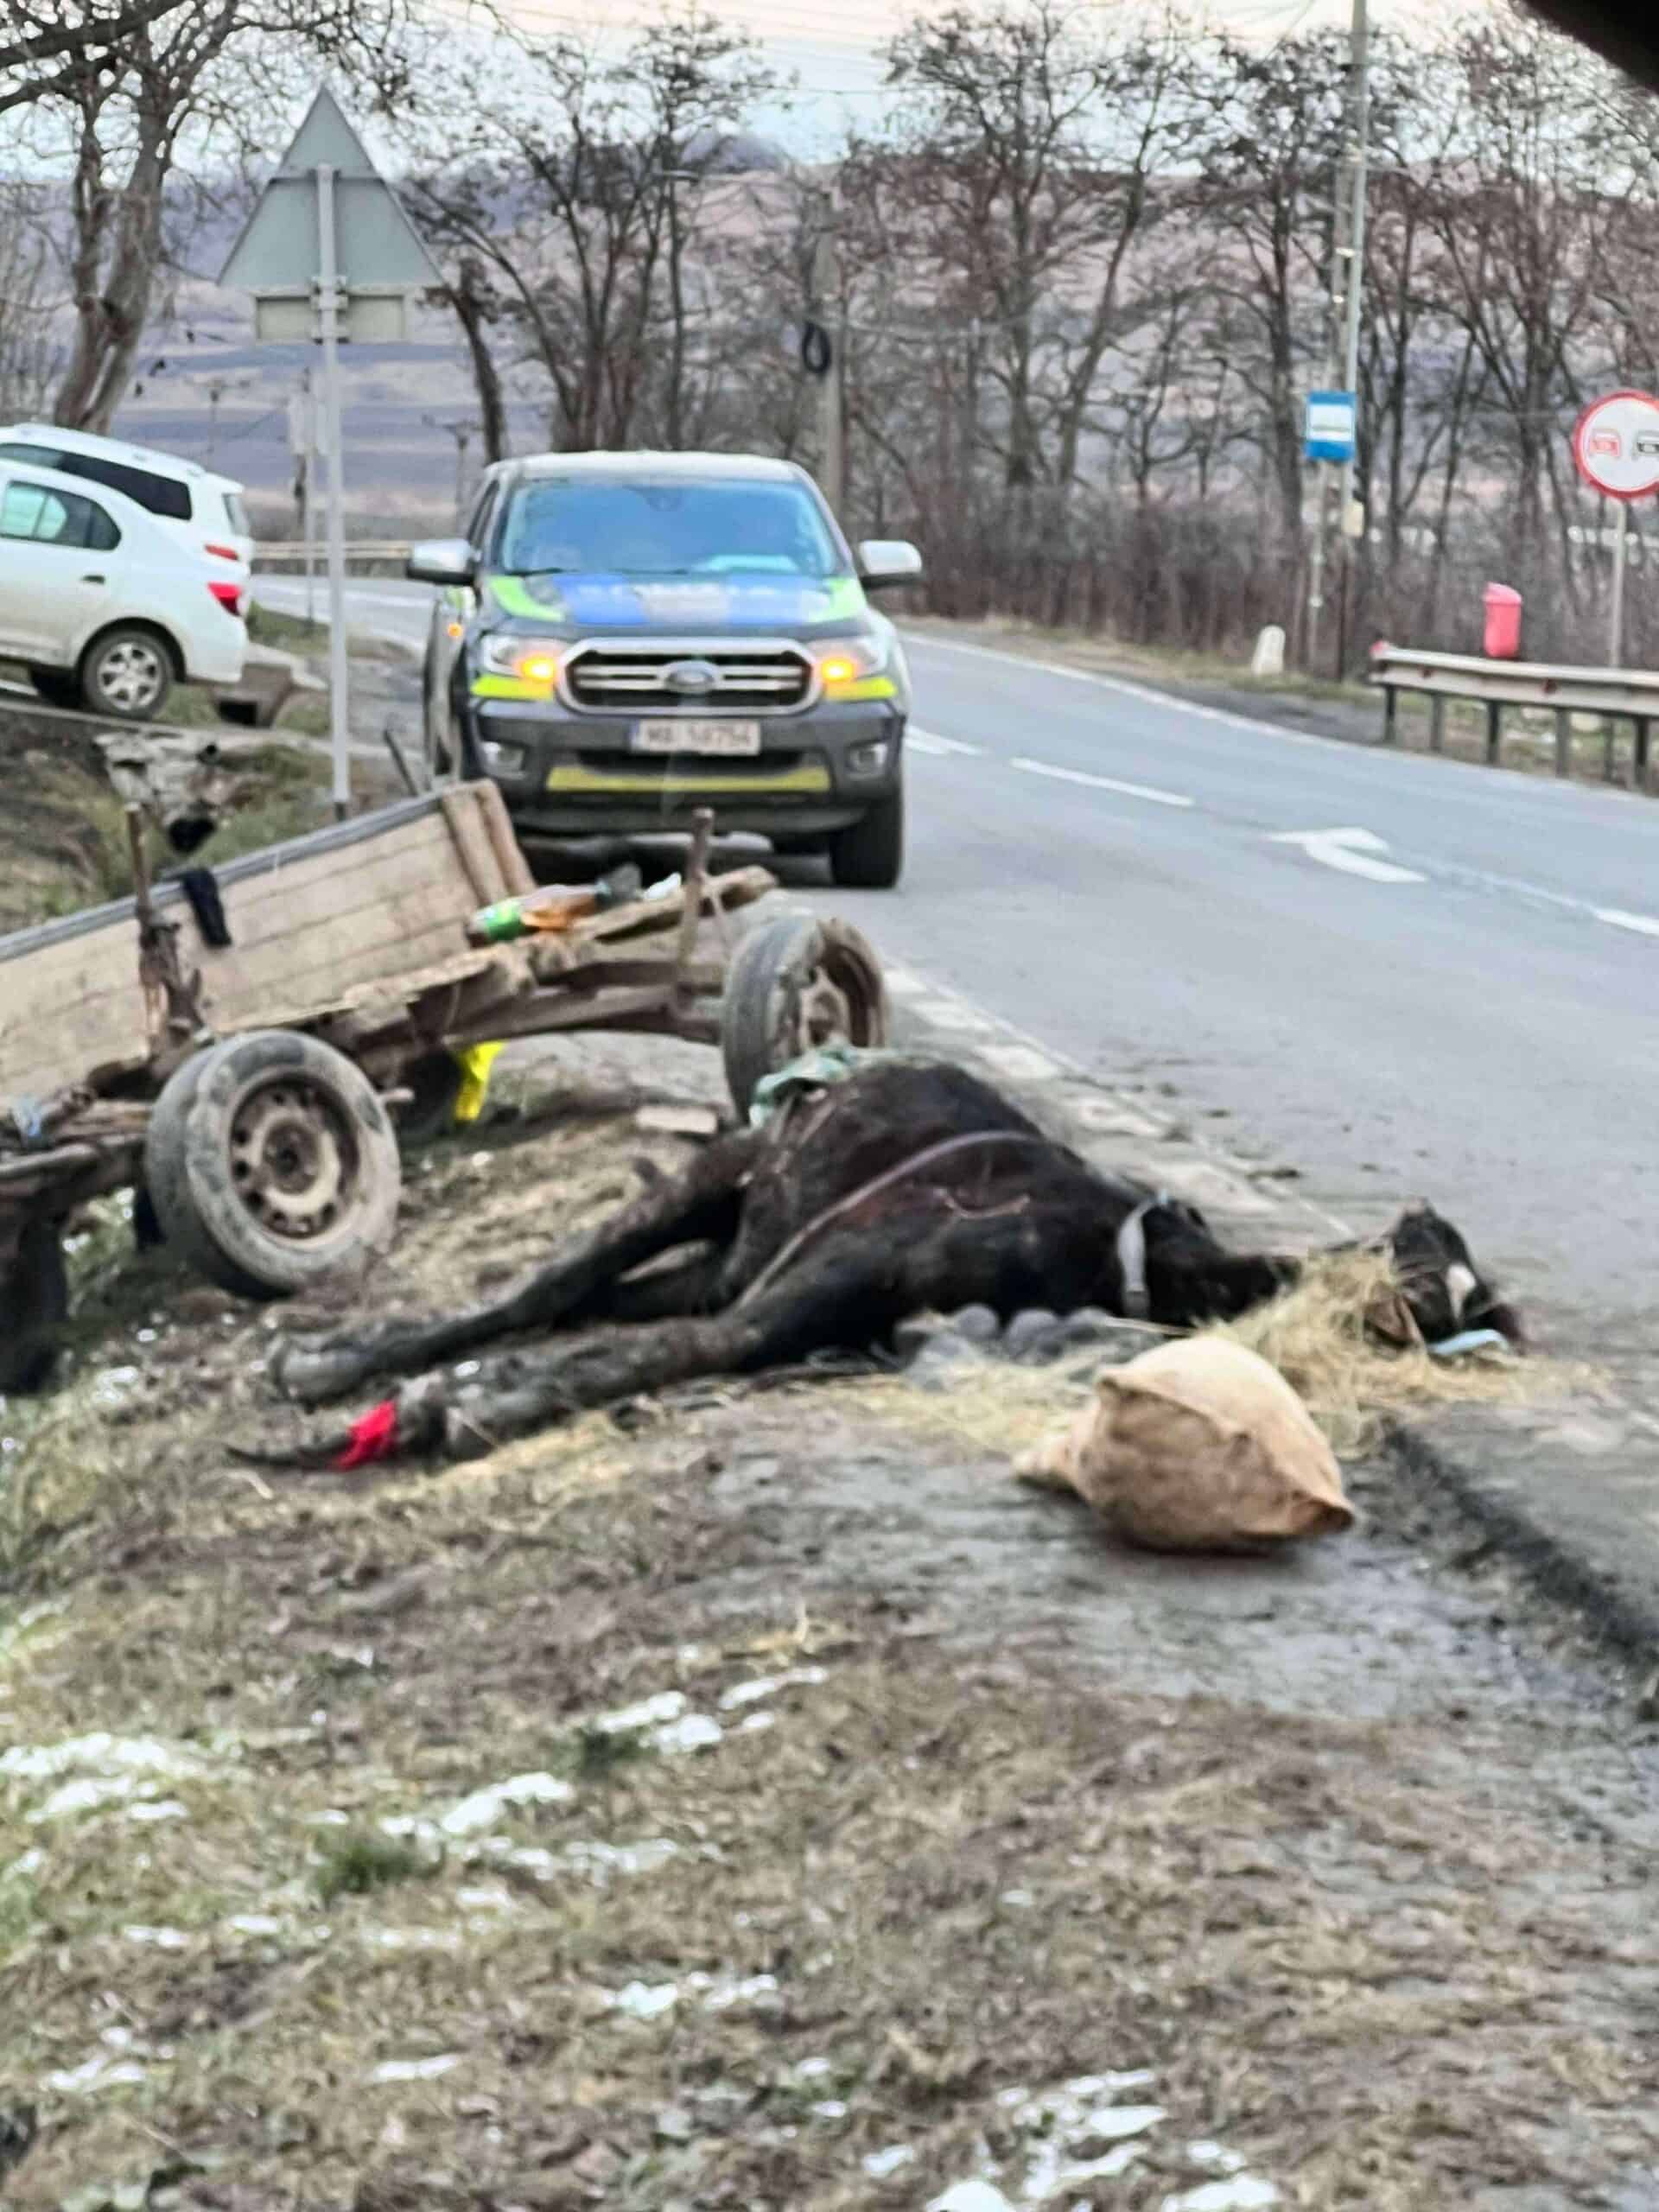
127	672
797	982
440	753
57	686
869	855
272	1166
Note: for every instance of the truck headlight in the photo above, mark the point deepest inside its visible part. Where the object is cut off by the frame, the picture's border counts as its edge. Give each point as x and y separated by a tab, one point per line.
536	660
854	664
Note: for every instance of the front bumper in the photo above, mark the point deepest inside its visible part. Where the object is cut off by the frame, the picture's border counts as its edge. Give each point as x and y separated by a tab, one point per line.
580	776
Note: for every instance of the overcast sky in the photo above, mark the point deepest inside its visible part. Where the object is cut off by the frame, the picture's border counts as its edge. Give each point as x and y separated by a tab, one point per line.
829	45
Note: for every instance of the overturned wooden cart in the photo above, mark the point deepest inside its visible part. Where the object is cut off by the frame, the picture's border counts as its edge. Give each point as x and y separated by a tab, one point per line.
256	1090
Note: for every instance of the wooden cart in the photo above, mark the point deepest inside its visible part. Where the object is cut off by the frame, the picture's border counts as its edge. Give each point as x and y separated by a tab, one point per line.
255	1090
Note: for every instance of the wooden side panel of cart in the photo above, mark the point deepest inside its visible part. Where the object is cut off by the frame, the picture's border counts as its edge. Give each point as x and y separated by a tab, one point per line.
372	907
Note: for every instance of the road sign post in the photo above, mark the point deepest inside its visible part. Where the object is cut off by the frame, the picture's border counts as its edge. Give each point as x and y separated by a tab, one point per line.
329	255
1616	449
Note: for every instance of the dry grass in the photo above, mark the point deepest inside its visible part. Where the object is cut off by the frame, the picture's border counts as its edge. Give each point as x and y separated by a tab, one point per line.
1317	1335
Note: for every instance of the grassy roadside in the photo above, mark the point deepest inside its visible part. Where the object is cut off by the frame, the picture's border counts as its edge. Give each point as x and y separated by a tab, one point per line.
706	1806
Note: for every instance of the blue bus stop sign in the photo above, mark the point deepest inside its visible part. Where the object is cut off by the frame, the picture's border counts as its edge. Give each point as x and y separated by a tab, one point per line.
1332	426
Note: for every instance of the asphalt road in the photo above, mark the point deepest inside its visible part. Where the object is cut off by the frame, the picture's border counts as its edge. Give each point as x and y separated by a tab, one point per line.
1402	976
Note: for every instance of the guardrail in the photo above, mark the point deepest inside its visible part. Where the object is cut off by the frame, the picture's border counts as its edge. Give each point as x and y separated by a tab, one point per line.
359	551
1611	695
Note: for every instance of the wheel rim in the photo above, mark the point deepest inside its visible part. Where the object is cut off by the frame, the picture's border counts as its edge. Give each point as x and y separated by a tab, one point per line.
131	676
294	1161
838	1003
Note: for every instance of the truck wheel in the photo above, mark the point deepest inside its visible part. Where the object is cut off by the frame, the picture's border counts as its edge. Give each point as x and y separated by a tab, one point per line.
272	1165
794	983
127	672
33	1307
869	854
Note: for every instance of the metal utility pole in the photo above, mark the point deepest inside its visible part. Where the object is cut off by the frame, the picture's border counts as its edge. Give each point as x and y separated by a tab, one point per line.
328	303
461	431
826	292
1343	322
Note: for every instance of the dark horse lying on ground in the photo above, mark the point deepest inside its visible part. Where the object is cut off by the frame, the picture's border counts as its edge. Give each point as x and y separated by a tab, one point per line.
906	1188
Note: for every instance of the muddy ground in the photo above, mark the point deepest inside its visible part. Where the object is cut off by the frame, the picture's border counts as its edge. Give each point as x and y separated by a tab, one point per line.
757	1799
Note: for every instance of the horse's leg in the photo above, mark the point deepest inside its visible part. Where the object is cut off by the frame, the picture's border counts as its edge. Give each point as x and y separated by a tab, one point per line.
701	1205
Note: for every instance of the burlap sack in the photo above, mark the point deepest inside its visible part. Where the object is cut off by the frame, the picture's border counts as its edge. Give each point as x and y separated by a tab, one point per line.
1198	1445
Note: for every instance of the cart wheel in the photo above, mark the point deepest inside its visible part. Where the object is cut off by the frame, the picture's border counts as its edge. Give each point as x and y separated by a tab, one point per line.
33	1307
271	1164
797	982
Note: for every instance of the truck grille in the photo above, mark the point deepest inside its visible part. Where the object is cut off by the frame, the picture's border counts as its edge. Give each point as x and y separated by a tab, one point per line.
755	678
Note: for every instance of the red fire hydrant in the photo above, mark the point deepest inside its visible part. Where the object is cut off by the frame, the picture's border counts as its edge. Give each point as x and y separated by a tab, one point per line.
1503	607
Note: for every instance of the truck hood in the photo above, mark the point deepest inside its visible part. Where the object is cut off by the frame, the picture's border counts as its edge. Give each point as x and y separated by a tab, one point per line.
677	606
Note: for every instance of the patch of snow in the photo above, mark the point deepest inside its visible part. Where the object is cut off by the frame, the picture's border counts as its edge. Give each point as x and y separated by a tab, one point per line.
485	1900
643	2000
158	1939
814	2070
99	1754
1216	2156
254	1923
417	2069
880	2165
98	2073
22	1868
1021	1900
769	1685
971	2196
650	1713
757	1724
411	1939
832	2108
697	1732
1243	2193
600	1859
484	1808
89	1794
158	1808
721	1994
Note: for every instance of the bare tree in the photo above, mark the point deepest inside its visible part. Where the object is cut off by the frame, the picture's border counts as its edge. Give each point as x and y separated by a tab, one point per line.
580	195
141	88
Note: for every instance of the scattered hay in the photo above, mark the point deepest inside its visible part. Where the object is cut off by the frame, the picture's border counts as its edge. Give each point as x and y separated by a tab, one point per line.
1319	1337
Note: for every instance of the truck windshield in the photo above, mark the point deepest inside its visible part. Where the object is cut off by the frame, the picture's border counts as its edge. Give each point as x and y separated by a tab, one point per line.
718	527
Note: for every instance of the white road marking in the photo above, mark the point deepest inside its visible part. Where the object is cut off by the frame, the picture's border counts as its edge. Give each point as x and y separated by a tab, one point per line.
927	740
1347	849
1103	784
1644	924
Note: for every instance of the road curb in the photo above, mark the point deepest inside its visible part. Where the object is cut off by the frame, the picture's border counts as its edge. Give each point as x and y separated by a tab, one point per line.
1624	1622
1580	1545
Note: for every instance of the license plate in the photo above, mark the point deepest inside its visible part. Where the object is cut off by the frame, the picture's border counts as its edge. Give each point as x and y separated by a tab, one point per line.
685	734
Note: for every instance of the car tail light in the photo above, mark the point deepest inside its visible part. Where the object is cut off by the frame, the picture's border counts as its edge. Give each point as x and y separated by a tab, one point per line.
228	595
225	552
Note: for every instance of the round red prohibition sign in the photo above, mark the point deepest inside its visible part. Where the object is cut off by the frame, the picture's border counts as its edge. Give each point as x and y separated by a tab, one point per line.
1615	445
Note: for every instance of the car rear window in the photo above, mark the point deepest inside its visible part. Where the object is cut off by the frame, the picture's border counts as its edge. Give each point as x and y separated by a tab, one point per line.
49	517
162	495
237	515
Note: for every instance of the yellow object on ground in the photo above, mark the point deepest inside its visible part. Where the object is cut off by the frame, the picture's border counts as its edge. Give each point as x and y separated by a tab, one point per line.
475	1063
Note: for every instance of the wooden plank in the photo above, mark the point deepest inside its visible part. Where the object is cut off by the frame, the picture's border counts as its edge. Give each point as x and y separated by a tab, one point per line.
516	871
473	847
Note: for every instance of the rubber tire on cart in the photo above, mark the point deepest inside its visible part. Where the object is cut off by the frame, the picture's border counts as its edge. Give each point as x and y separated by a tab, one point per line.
272	1165
33	1307
794	982
146	658
869	854
59	687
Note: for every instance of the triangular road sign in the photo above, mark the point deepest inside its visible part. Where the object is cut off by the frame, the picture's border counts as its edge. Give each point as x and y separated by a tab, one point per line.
375	245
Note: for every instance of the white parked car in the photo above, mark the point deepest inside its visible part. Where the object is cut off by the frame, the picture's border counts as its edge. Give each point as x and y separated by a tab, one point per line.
104	604
204	511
